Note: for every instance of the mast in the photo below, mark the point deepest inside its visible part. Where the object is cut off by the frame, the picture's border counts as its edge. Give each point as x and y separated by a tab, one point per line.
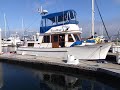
23	29
22	25
93	12
5	24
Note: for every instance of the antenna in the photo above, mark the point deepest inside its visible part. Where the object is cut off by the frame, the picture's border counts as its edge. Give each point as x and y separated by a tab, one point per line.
41	11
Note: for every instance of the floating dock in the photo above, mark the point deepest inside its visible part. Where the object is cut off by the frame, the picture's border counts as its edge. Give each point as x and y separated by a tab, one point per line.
57	63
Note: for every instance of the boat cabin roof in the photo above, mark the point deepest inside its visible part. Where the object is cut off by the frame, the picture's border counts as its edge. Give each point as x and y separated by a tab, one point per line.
66	15
43	34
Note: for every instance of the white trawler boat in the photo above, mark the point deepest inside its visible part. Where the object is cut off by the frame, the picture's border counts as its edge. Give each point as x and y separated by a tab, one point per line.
62	38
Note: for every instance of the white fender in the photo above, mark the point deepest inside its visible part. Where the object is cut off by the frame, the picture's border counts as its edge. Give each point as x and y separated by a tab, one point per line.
71	60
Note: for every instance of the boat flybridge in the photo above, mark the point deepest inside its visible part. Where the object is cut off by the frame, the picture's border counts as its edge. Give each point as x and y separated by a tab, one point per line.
58	30
60	35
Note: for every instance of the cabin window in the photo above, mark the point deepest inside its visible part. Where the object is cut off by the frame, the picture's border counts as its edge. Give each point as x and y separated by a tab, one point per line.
8	40
77	37
46	39
70	39
49	22
30	44
55	38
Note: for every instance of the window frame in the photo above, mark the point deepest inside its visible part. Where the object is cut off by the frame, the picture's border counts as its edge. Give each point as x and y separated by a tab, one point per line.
46	39
69	35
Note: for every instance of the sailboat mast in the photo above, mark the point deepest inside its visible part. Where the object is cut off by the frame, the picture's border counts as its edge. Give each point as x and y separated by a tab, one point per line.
22	25
23	28
93	12
5	24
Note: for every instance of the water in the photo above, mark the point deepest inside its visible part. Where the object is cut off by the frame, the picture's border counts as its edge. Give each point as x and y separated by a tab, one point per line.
16	77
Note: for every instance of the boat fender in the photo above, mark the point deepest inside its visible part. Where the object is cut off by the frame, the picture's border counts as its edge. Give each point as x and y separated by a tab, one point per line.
97	40
72	60
76	61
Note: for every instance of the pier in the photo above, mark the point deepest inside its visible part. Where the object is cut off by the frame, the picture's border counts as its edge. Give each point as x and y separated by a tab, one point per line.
93	67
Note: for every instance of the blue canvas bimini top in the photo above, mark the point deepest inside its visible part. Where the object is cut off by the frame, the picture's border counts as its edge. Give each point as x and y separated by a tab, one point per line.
66	15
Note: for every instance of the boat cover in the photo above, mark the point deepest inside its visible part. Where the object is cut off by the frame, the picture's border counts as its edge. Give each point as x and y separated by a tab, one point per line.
61	15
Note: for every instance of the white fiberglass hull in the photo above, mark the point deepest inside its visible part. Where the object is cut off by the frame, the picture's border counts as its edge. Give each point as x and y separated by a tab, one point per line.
90	52
97	51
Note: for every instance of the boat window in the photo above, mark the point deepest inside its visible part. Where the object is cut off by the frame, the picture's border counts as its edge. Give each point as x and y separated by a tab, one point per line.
46	22
30	44
70	39
8	40
46	39
55	38
77	38
49	22
43	23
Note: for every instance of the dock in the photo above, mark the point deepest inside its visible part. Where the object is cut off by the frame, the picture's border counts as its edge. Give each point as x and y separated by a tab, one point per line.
93	67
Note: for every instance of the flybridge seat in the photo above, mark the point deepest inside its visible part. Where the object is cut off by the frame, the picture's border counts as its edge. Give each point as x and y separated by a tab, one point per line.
58	19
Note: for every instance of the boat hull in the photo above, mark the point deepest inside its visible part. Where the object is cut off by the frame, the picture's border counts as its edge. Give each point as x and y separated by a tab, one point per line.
90	52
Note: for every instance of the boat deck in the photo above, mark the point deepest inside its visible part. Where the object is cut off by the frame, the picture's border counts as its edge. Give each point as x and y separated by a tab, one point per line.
85	65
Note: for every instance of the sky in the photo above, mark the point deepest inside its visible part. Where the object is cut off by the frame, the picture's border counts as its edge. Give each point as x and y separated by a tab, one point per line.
16	10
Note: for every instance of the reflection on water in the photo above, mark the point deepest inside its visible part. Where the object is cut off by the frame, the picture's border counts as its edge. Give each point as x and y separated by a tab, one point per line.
13	77
65	82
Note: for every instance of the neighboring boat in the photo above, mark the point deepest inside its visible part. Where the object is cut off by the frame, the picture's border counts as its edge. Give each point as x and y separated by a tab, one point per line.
13	40
62	38
115	48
